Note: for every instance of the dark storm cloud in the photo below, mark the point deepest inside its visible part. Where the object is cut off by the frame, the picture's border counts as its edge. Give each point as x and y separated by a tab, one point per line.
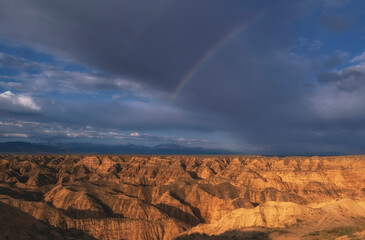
337	23
327	77
348	79
151	40
336	60
266	96
339	107
335	3
256	86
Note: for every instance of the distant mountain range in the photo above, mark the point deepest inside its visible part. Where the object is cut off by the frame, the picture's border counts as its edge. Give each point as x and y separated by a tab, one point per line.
169	149
25	147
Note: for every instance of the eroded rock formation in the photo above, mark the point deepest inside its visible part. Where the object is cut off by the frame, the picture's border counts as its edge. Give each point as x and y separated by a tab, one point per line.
168	197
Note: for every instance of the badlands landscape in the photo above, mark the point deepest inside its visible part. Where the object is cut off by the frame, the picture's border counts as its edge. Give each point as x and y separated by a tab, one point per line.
181	197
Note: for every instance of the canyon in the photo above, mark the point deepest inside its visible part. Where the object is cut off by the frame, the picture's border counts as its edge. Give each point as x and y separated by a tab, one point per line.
181	197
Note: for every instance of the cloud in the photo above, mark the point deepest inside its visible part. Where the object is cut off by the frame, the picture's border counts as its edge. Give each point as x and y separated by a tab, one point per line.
15	102
63	133
335	3
336	23
15	135
306	44
18	63
16	124
359	58
52	78
336	60
349	79
336	106
315	46
259	88
178	33
339	98
302	42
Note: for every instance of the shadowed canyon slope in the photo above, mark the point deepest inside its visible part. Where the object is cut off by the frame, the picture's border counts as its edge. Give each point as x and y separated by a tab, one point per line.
180	197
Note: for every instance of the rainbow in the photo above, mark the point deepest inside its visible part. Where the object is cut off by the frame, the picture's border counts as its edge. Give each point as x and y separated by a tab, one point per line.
209	54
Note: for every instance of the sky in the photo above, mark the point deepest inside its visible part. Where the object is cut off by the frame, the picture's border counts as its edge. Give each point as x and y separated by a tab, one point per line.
250	76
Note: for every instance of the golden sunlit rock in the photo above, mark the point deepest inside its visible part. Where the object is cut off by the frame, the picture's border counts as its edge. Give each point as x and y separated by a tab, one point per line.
183	197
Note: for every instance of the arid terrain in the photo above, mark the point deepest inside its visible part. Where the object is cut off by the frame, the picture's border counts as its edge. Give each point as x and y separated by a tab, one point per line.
181	197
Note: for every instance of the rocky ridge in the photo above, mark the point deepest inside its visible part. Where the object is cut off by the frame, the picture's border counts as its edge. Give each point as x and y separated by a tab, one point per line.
168	197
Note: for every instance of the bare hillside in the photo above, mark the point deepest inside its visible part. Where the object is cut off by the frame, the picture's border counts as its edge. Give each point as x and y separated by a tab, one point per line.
181	197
